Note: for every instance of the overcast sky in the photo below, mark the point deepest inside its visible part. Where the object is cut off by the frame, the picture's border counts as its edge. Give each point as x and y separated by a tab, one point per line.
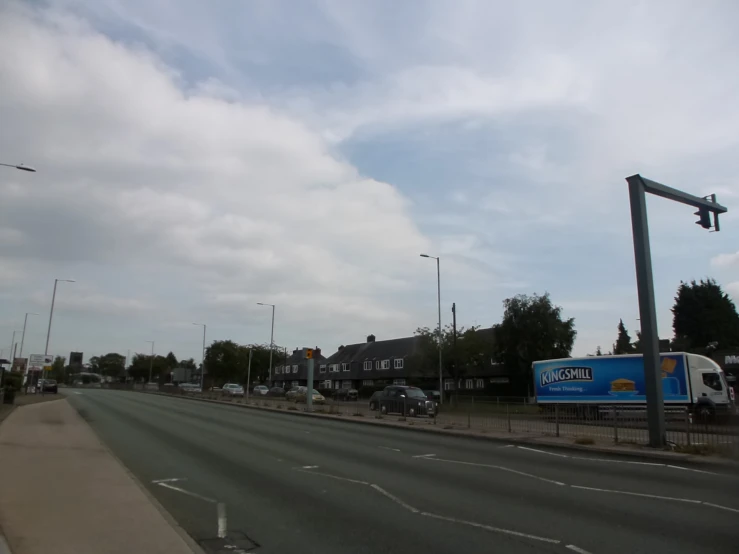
195	158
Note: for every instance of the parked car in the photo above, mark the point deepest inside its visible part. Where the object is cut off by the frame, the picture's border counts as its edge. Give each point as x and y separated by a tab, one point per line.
374	400
190	387
302	393
402	399
48	385
434	396
346	394
232	389
290	395
260	390
276	392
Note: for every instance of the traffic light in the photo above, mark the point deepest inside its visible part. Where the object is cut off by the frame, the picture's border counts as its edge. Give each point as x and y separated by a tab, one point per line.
308	353
704	218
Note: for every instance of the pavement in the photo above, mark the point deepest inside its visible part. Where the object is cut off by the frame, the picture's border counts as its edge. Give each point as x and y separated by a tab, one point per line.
270	482
63	492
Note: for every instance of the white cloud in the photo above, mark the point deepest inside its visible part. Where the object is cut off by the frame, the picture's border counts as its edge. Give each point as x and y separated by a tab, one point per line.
733	290
725	260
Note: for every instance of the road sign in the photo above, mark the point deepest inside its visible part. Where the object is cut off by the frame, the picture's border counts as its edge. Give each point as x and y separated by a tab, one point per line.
308	353
40	362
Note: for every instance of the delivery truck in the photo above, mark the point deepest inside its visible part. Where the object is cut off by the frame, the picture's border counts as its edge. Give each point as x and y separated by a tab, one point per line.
687	380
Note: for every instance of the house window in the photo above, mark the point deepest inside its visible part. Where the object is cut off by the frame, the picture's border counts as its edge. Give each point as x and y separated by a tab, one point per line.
479	383
333	368
398	363
368	382
385	364
323	368
344	367
327	384
337	384
377	364
368	366
448	384
468	383
346	384
294	383
398	381
295	369
278	370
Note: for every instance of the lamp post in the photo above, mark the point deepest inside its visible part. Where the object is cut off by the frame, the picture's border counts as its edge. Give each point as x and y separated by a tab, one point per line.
271	341
438	298
21	167
51	316
151	360
202	365
23	336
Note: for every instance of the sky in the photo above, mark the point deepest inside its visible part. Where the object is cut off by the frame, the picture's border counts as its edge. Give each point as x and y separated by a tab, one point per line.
196	158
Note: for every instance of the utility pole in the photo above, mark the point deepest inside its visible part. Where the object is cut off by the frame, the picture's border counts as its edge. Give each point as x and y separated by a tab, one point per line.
454	343
248	376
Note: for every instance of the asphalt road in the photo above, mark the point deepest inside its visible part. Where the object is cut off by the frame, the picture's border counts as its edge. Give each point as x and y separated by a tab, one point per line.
289	483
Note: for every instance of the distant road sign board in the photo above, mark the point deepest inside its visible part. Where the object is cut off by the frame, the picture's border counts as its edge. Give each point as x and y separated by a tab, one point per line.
39	362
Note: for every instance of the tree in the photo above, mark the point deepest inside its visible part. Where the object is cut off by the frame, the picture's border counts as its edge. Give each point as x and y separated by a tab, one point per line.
703	313
139	368
474	349
598	351
532	329
172	361
57	369
112	364
188	364
623	341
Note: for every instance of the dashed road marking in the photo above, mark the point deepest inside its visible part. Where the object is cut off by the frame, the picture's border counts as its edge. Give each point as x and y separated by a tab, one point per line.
720	507
222	521
640	494
188	493
394	498
543	452
388	448
170	480
491	528
577	549
424	456
530	475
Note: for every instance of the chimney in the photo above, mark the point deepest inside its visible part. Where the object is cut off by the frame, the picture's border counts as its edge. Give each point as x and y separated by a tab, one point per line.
316	352
370	338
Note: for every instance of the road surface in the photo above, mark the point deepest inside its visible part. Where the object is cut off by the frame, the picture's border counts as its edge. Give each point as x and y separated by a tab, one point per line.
272	483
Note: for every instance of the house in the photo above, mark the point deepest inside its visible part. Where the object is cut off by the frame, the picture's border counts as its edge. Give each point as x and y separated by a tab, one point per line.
374	364
294	370
367	364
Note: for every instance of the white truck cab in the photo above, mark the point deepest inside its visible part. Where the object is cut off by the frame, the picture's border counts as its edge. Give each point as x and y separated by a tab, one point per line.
710	391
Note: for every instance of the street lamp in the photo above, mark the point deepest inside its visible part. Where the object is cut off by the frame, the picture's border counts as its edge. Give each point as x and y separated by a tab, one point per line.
21	167
51	315
202	366
151	360
271	341
438	297
23	336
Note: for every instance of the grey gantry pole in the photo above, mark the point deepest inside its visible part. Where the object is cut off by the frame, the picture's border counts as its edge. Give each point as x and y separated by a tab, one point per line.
438	299
638	187
23	336
271	342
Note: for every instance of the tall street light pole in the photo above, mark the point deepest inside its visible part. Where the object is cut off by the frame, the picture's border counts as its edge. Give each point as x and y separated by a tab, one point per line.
51	315
202	365
438	298
23	336
271	341
151	360
21	167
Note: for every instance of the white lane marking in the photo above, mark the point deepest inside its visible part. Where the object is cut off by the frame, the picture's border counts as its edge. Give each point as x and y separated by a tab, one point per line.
606	460
424	455
720	507
394	498
497	467
491	528
388	448
640	494
75	392
695	470
222	522
333	476
172	480
435	516
543	452
309	467
508	446
183	491
577	549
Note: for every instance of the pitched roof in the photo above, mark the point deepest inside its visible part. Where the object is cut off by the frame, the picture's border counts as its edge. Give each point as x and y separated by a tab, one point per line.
375	350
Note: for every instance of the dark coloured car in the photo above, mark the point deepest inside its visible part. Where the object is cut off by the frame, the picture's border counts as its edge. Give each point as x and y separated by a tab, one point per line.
277	392
346	394
404	400
49	385
434	396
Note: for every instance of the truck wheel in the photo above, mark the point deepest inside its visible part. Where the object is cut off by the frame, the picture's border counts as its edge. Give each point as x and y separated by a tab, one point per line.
383	409
705	413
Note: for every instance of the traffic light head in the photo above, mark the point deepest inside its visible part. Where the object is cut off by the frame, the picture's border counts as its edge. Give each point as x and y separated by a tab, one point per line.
308	353
704	218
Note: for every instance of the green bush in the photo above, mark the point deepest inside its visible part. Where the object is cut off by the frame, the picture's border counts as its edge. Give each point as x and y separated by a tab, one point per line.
12	380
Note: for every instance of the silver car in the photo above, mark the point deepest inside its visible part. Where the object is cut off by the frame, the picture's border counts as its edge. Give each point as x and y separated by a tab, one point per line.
261	390
232	389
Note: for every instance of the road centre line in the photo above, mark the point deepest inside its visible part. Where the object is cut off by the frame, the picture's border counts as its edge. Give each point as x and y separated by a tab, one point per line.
640	494
720	507
577	549
171	480
496	467
388	448
424	455
414	510
491	528
608	461
189	493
